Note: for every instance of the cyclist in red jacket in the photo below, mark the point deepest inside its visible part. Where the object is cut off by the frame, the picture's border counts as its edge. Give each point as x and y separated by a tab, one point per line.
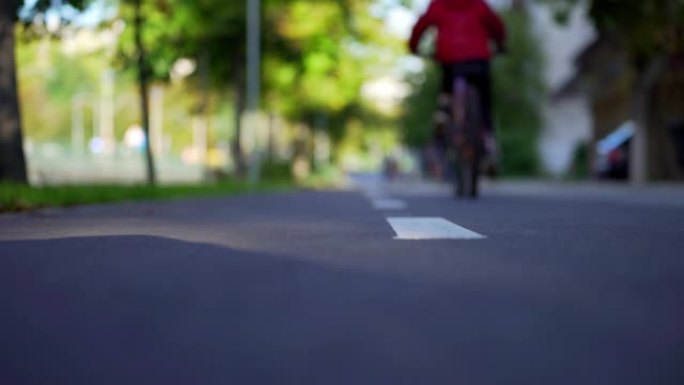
465	31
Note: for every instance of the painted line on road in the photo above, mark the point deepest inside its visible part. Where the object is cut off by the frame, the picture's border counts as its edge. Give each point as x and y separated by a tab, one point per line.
388	204
373	194
430	228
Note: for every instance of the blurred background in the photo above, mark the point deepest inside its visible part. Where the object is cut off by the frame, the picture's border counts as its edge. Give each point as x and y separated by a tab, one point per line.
254	89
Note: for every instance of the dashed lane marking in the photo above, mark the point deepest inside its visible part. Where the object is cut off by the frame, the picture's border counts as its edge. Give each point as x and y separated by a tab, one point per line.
388	204
430	228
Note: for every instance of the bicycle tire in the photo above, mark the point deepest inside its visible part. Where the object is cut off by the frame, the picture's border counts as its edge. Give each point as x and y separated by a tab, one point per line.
468	124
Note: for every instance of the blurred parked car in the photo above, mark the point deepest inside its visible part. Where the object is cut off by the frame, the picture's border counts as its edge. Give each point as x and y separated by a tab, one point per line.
612	153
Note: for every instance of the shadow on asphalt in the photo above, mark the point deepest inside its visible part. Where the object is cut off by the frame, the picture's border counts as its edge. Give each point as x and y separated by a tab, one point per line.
152	310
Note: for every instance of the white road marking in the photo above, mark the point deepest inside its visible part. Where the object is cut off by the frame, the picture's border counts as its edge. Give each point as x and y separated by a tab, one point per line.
430	228
373	194
388	204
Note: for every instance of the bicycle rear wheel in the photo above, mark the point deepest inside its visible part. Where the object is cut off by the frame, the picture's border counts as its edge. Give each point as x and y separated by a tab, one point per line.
468	141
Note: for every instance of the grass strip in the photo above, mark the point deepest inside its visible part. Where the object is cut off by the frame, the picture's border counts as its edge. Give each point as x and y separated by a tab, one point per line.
18	198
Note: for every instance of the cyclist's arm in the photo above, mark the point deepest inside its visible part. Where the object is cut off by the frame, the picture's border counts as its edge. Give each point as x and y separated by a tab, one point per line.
495	27
423	23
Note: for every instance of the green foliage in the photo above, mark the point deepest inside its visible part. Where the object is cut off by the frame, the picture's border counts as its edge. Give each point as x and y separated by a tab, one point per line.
580	163
15	197
52	79
324	178
313	67
186	28
518	94
48	80
419	107
648	27
277	170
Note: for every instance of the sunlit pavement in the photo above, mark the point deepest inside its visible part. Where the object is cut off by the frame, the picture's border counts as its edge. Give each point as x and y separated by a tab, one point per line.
568	284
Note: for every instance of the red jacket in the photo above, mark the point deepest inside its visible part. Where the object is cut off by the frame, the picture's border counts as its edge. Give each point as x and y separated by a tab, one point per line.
465	29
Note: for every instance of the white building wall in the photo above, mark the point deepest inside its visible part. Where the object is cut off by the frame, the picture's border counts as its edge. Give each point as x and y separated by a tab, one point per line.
568	123
567	120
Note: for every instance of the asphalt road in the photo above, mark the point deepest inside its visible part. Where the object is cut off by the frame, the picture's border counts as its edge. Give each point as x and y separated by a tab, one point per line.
572	285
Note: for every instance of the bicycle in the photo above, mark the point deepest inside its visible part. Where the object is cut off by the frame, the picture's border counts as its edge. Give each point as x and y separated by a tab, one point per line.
466	138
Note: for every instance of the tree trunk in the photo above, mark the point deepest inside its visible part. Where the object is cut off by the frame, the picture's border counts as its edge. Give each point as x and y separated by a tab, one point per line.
12	161
639	157
236	145
144	107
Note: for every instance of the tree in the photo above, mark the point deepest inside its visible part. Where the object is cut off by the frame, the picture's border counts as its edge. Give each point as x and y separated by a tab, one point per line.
210	32
142	83
648	28
315	67
652	34
310	70
12	159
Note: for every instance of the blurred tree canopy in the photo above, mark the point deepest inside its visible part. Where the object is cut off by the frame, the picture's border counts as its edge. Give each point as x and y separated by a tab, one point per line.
313	67
309	62
648	27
